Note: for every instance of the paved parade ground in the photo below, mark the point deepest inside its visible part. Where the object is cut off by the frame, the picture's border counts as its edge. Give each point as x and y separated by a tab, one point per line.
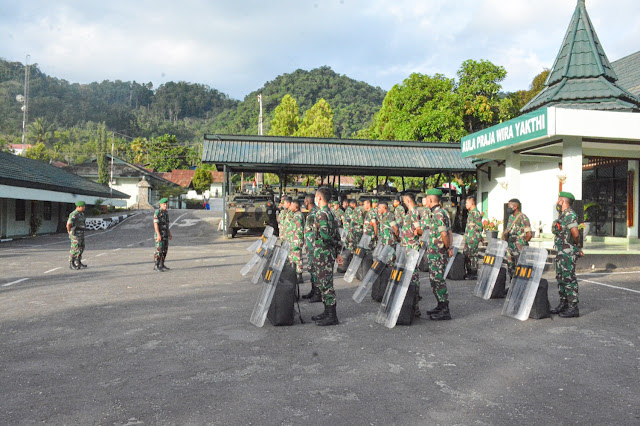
118	343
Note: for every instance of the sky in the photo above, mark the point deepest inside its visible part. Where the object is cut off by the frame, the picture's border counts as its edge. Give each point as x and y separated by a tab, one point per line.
236	46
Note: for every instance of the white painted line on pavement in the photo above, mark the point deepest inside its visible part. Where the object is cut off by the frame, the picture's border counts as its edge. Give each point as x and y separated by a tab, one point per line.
120	248
174	222
149	239
609	285
140	242
14	282
101	254
54	269
129	245
608	273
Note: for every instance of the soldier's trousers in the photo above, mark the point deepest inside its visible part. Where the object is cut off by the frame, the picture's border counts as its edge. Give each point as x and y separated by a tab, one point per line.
566	275
161	249
437	265
324	270
295	258
513	254
311	267
77	248
471	256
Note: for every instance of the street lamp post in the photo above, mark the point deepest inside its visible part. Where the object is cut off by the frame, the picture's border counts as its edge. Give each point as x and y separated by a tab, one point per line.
24	100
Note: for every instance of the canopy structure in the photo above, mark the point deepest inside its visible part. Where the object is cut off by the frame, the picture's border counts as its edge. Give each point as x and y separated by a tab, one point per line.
323	156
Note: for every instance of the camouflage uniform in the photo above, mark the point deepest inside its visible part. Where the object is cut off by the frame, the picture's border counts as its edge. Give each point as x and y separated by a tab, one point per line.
161	217
518	226
399	213
309	239
408	239
567	255
77	222
436	253
472	239
355	231
324	255
296	239
285	233
369	218
385	229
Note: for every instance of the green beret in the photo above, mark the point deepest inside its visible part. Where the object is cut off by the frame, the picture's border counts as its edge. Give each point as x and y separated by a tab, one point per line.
374	200
163	200
80	203
335	202
434	191
567	195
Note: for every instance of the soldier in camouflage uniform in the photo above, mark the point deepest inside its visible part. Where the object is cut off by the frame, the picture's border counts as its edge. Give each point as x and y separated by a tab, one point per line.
388	231
409	238
567	243
517	233
75	229
162	235
369	223
337	213
438	252
284	218
398	210
472	238
356	226
296	237
314	295
325	238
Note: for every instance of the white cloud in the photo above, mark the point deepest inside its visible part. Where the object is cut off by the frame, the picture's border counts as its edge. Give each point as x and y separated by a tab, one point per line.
237	46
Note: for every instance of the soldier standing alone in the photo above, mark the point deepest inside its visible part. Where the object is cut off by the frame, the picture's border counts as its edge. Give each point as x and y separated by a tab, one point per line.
162	235
567	242
75	229
472	238
517	233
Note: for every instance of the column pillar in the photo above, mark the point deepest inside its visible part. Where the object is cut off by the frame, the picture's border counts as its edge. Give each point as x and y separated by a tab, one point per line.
512	175
632	231
572	165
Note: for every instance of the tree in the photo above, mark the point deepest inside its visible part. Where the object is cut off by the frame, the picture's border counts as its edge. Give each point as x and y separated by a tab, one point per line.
103	161
40	131
202	180
286	119
479	88
38	152
317	122
520	98
165	154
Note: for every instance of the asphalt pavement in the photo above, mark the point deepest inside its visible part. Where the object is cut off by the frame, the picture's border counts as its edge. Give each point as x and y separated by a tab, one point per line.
120	344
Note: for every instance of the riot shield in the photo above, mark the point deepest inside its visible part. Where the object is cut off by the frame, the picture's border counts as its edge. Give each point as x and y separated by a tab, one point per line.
524	284
406	262
380	261
490	268
262	253
270	280
424	242
343	243
358	255
268	231
457	243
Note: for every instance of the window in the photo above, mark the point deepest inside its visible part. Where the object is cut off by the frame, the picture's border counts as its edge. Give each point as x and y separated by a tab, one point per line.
46	211
21	208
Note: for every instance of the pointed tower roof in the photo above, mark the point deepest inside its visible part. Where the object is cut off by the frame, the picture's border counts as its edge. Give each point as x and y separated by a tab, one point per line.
582	76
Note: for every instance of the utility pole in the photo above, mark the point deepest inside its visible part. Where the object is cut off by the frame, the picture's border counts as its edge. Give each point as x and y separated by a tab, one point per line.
24	100
113	142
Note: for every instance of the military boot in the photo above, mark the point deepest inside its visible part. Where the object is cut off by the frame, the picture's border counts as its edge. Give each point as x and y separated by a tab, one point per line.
322	315
331	318
163	266
73	265
80	264
571	311
157	267
435	310
311	293
317	296
562	306
300	281
443	314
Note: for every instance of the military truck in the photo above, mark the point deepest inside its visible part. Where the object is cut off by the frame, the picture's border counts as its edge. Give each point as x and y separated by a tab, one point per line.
250	211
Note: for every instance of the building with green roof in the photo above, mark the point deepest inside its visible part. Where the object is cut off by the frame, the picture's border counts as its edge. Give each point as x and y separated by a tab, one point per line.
580	134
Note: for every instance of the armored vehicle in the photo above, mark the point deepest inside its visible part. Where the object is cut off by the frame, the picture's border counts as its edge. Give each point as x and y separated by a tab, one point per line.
250	211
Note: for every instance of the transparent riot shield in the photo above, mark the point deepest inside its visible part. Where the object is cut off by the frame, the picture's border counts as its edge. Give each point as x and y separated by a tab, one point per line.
406	262
380	261
490	268
424	242
262	253
270	280
358	255
268	231
456	245
524	284
343	243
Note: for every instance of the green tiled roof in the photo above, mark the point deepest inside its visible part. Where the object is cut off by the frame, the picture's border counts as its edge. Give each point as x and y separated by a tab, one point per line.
27	173
581	76
333	156
628	71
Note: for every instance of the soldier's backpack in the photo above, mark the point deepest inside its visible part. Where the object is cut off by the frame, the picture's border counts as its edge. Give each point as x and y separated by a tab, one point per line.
380	285
541	308
282	310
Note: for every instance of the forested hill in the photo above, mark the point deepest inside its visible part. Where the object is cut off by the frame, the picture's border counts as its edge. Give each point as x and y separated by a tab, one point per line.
187	110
